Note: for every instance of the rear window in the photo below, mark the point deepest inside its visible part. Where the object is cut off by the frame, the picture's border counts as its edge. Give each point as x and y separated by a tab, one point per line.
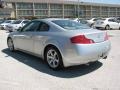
70	25
7	21
112	20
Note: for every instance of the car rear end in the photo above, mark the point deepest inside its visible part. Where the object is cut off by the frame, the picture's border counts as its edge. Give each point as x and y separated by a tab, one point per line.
86	47
9	28
100	23
79	44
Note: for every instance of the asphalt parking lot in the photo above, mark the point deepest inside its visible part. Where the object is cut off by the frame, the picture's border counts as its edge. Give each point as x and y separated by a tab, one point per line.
20	71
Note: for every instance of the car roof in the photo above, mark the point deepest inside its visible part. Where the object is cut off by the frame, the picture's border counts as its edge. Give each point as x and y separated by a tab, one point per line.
50	19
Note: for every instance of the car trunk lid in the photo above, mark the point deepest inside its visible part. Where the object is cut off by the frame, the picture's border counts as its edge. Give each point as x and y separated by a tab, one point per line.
94	36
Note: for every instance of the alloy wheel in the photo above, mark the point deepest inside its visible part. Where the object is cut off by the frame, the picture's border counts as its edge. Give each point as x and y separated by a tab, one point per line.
107	27
53	58
10	44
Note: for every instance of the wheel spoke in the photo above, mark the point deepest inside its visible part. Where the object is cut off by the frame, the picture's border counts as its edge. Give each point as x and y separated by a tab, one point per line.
54	64
51	52
55	54
49	57
57	60
51	61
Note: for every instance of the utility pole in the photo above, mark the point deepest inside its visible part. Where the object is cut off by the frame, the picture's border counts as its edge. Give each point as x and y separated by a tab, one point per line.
78	8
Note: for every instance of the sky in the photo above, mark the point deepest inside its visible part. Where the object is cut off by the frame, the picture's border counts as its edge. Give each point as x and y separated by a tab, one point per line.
97	1
102	1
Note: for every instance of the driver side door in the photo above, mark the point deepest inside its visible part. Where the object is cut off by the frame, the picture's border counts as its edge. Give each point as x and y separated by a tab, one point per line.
24	38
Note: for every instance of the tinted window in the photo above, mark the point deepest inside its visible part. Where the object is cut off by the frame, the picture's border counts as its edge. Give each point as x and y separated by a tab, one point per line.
95	19
111	20
103	19
25	22
1	21
118	18
83	21
70	25
43	27
7	21
32	26
17	22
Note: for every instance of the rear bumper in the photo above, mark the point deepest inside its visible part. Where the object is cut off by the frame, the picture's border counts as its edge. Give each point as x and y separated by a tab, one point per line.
82	54
100	26
11	29
2	26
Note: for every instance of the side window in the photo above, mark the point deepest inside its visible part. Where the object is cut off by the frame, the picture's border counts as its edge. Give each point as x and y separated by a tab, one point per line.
32	26
95	19
43	27
114	20
111	20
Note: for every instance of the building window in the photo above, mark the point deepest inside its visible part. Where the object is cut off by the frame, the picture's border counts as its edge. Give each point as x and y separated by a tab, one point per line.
56	12
69	7
69	13
55	6
41	12
118	9
24	6
40	6
25	12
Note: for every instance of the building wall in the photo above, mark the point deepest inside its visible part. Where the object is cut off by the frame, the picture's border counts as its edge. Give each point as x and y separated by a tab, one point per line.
62	9
5	9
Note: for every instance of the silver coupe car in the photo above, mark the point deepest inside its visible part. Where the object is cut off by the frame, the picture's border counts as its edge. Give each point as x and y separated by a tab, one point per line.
60	42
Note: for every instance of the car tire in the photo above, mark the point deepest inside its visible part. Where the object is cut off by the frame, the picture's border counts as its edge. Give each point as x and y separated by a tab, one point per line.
53	58
2	28
10	44
97	27
107	27
92	25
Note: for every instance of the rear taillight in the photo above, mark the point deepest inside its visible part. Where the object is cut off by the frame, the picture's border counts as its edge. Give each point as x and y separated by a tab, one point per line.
81	39
106	37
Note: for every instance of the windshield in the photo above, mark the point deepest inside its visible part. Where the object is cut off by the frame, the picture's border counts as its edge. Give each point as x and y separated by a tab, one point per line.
83	21
103	19
25	22
1	21
17	22
70	25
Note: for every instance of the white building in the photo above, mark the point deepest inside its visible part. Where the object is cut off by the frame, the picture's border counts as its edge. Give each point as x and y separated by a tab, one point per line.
60	8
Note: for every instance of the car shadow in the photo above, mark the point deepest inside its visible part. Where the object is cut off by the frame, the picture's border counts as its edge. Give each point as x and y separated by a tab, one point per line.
38	64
